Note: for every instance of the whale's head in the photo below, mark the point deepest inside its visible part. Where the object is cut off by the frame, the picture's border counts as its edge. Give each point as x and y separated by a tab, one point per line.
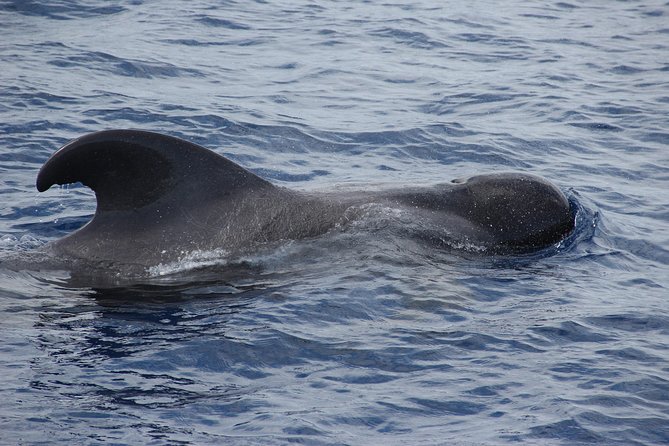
518	211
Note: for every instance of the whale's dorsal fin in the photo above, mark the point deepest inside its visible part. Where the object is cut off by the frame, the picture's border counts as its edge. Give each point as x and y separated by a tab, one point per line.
129	169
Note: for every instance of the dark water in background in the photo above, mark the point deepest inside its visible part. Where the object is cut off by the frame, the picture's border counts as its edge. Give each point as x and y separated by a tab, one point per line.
361	340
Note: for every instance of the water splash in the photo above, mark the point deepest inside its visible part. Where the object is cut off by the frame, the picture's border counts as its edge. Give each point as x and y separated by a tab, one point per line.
191	261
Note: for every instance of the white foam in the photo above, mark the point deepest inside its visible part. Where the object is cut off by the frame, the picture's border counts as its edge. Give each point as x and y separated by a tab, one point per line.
24	243
190	261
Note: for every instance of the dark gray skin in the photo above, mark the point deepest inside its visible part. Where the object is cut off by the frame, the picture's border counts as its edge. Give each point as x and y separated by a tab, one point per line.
160	197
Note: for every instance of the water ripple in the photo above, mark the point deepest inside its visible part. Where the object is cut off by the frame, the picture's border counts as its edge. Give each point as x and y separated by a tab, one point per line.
359	337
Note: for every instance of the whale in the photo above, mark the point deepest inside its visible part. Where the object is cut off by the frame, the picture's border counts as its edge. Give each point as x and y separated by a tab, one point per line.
159	197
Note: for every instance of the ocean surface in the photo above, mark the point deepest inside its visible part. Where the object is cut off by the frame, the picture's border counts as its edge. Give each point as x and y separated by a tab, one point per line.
360	337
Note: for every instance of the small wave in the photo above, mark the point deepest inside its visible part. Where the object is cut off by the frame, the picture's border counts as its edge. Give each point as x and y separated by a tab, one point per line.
412	38
12	244
222	23
105	62
60	10
597	126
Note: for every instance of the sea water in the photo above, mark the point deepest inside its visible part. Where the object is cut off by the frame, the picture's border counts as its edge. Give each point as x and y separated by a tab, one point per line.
360	337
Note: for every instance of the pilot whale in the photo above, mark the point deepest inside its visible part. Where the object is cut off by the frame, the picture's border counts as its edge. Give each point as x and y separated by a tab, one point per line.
159	197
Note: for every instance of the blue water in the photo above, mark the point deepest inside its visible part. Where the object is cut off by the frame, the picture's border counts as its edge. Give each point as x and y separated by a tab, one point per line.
354	338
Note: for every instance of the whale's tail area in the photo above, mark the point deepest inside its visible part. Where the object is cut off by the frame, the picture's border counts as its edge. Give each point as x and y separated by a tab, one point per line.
129	169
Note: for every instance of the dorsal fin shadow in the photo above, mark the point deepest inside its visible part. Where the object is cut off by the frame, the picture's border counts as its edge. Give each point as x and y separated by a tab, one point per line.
130	169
